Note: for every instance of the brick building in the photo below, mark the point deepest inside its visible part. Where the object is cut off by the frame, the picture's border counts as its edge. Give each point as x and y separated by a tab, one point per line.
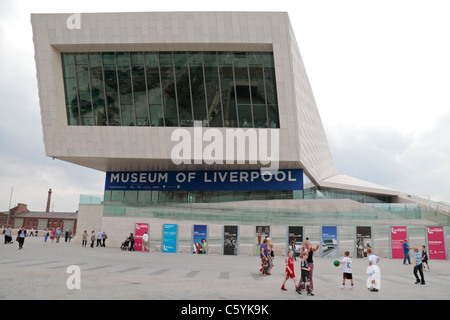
20	216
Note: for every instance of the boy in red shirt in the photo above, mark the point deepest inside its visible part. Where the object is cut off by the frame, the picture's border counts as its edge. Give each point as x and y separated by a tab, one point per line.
289	270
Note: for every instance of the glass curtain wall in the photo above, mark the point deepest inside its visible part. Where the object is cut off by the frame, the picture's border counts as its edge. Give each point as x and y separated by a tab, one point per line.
173	89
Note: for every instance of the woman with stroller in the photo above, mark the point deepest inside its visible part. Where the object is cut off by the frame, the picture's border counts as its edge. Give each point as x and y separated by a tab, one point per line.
131	240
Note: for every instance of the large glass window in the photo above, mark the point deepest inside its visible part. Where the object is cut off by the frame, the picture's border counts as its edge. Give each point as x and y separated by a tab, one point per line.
168	89
227	87
242	87
84	90
98	92
125	89
212	87
112	94
198	89
154	89
257	89
209	89
271	90
183	92
70	89
139	89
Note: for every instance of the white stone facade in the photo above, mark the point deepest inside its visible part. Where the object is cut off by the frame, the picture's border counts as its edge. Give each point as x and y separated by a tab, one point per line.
302	144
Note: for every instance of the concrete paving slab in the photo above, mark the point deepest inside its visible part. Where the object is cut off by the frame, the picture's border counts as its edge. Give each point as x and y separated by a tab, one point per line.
39	272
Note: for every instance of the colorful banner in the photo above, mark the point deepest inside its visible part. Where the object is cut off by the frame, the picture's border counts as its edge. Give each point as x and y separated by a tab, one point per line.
140	229
200	245
230	240
223	180
170	238
398	235
363	241
436	243
329	242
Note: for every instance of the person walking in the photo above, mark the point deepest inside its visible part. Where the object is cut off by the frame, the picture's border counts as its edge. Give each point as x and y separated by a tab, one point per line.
84	238
131	240
425	257
7	233
293	248
418	266
104	237
58	234
46	233
99	238
264	258
305	274
21	234
289	272
92	238
145	242
310	251
271	256
406	252
53	234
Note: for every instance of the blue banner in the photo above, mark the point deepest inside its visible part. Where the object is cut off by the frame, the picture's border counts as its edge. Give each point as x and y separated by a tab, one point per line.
224	180
199	241
329	242
170	238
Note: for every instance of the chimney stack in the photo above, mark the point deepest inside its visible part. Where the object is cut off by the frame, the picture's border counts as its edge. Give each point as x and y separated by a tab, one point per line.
48	200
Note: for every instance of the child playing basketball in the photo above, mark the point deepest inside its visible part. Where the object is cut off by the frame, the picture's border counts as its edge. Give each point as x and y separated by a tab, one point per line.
289	270
346	269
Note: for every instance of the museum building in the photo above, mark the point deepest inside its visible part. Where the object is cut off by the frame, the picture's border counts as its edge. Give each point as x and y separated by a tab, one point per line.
184	112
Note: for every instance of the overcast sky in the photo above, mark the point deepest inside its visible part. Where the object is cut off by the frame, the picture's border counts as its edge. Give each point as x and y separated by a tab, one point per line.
379	70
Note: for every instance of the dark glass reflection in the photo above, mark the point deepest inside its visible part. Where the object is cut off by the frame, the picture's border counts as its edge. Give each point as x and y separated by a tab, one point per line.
209	89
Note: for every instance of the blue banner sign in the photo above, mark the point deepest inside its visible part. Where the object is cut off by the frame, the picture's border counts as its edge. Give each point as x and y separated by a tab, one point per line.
224	180
199	239
329	242
170	238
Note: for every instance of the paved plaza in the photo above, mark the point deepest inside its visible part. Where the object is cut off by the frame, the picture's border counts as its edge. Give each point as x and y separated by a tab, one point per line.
39	271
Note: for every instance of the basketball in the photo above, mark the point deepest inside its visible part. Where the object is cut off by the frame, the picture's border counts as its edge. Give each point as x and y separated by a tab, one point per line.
336	263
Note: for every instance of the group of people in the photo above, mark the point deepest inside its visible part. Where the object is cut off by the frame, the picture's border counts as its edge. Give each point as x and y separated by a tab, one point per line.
129	242
305	282
267	256
373	270
420	259
56	234
100	237
306	269
22	233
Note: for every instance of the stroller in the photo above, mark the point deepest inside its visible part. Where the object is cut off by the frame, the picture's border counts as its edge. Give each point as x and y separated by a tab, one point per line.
125	245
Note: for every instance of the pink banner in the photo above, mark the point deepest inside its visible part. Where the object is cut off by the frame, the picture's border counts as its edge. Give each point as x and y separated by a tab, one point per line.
140	229
398	236
436	243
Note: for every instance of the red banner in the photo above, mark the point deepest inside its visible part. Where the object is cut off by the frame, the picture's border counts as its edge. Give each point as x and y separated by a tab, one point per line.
140	229
436	243
398	236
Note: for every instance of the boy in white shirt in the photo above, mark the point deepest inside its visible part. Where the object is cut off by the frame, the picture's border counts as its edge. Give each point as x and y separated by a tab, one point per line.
373	270
346	269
